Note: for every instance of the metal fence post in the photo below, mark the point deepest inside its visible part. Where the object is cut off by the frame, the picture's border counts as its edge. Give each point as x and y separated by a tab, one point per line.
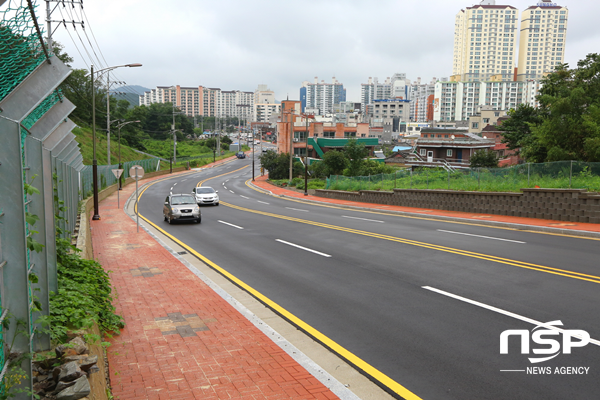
479	178
448	179
528	168
571	174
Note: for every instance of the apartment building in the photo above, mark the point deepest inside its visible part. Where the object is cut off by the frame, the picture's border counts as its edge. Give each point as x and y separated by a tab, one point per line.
322	96
543	39
202	101
457	101
394	87
485	40
421	96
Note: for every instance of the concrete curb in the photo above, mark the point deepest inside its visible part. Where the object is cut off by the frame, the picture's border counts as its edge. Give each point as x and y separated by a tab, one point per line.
520	227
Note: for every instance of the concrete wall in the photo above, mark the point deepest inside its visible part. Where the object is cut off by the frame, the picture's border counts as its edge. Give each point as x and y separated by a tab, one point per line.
573	205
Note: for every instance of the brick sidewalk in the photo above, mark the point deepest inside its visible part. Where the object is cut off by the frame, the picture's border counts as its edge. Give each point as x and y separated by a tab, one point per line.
261	182
181	339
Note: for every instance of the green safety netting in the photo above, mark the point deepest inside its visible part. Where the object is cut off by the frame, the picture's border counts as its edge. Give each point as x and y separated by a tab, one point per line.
21	48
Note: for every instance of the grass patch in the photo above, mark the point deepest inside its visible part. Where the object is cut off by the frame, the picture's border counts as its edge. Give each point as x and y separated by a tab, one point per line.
549	176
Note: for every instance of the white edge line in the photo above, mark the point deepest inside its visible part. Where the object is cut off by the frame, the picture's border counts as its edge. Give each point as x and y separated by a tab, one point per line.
364	219
312	367
302	248
504	312
485	237
227	223
296	209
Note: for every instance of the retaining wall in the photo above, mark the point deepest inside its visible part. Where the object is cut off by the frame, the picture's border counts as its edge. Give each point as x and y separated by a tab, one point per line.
573	205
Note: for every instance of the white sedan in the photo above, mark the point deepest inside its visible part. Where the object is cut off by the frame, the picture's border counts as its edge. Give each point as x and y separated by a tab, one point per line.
206	195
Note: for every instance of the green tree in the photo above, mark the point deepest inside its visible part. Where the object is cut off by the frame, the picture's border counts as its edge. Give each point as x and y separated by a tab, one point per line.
484	159
334	163
356	153
372	167
278	165
517	133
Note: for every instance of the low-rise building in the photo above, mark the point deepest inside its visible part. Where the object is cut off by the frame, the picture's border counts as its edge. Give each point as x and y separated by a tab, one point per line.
448	148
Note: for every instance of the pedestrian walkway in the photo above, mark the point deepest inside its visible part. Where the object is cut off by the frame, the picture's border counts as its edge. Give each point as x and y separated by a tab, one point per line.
181	339
564	227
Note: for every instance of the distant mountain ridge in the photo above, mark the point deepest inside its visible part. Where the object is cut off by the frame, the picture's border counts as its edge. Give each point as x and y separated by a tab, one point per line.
130	93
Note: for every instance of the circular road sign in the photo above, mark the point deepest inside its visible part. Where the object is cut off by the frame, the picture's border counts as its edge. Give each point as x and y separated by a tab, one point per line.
136	172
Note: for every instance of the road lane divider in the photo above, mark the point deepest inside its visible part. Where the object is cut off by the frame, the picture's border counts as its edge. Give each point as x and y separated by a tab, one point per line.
373	373
480	236
503	312
466	253
364	219
303	248
227	223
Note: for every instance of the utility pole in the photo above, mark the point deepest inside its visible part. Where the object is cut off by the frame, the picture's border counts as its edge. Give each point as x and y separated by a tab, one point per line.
291	144
49	22
108	118
174	137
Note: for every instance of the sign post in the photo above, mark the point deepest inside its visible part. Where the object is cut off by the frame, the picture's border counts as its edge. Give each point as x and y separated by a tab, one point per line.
136	172
118	173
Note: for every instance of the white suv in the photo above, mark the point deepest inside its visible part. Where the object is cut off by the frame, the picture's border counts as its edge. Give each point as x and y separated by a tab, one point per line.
206	195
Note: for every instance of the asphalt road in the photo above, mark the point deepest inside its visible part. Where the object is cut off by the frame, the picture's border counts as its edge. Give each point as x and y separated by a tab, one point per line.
422	302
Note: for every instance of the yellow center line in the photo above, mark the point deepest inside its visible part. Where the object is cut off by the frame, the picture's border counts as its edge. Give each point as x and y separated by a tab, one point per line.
382	212
520	264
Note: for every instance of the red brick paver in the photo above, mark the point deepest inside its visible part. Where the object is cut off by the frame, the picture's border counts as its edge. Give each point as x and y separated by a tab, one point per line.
181	339
261	181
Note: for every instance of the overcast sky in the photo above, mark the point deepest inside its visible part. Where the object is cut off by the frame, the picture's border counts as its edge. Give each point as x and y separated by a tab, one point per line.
237	45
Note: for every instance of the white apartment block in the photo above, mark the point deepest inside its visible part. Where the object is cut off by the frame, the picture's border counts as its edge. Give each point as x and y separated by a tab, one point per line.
235	103
263	95
322	96
457	101
266	112
391	88
421	97
485	38
542	42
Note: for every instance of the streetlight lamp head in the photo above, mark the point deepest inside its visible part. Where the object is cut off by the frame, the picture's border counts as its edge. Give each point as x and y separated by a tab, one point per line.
134	65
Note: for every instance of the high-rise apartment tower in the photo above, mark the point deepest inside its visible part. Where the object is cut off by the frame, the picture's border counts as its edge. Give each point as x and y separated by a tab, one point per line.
485	38
543	36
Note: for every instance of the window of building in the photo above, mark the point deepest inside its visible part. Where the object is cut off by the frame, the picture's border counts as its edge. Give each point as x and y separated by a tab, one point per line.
423	152
449	153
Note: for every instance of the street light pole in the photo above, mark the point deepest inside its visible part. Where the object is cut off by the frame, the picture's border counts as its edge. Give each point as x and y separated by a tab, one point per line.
108	118
94	161
253	141
96	215
291	145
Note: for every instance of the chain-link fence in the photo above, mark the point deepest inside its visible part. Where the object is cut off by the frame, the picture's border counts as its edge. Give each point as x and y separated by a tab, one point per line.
107	178
39	164
560	174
